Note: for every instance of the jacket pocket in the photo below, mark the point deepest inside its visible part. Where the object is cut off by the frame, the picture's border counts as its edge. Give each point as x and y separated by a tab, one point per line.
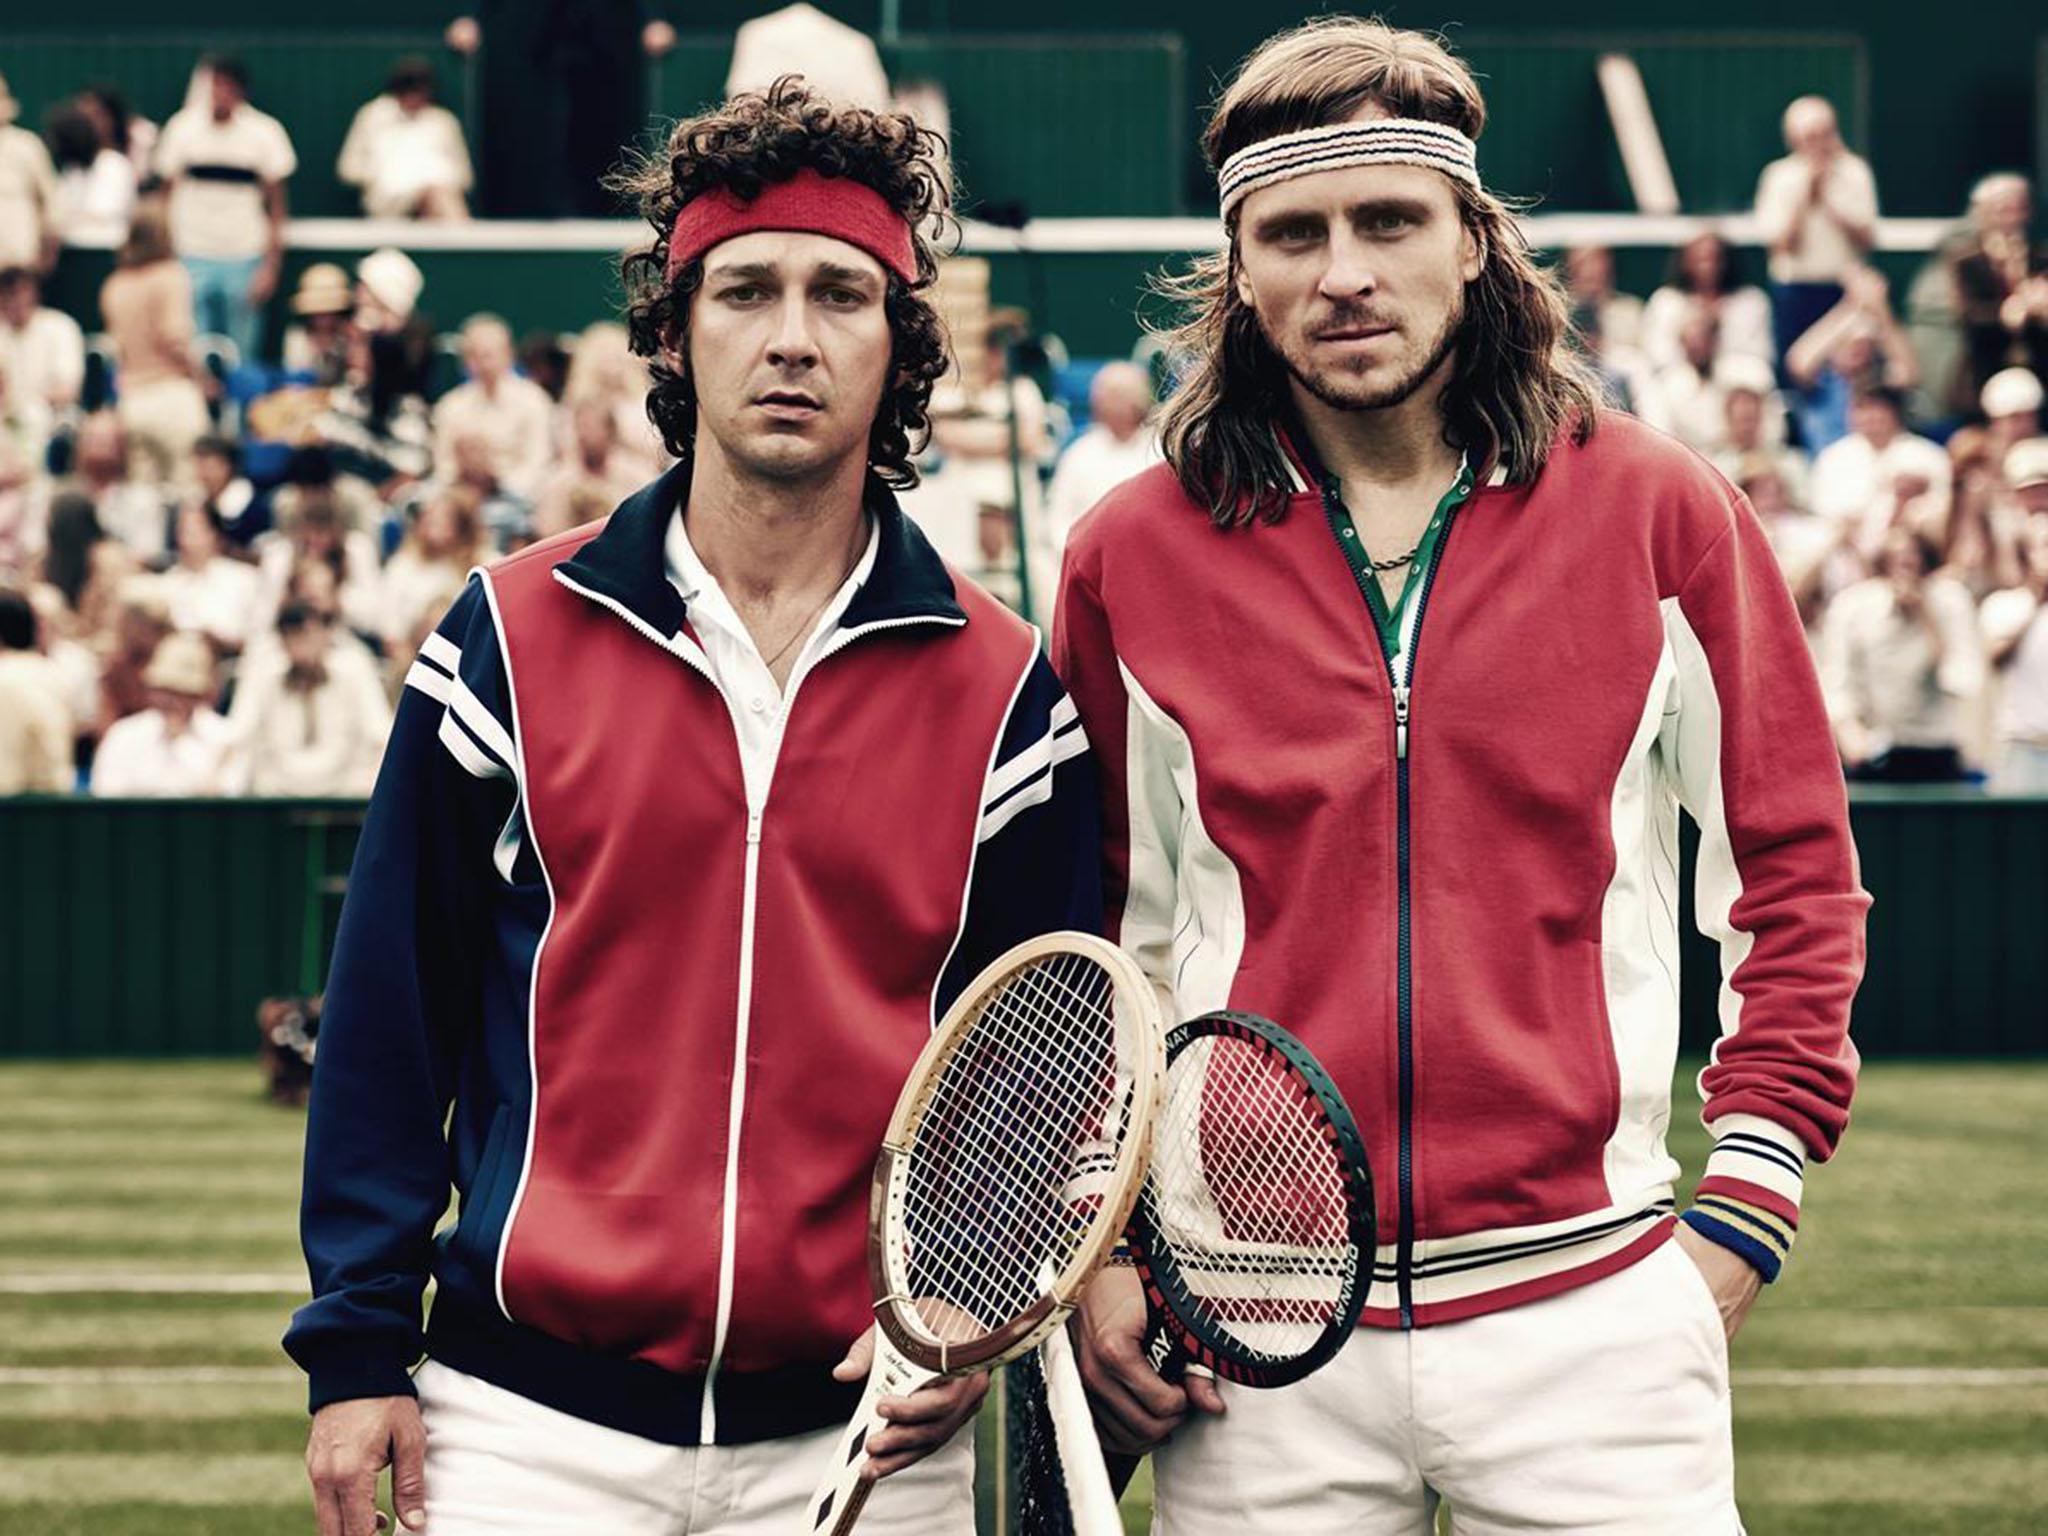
476	1233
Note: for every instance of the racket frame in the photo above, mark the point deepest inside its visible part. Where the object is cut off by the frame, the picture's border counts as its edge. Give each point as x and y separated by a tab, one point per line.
1155	1263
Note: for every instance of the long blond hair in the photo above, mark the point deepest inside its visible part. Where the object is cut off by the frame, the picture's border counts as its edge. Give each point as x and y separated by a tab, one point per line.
1515	386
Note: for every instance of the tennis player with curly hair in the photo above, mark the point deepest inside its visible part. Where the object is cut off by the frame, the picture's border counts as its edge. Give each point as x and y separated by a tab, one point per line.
1399	671
692	824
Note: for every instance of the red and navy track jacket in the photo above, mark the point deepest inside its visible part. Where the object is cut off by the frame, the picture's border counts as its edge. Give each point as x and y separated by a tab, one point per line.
1460	888
670	1025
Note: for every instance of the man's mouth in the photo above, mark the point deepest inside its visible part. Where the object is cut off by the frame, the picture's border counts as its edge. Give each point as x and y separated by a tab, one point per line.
789	403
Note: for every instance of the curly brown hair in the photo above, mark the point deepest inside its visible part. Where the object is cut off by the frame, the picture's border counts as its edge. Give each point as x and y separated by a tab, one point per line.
755	139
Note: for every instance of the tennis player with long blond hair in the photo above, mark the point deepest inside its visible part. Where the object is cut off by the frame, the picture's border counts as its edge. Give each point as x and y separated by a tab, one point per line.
1399	671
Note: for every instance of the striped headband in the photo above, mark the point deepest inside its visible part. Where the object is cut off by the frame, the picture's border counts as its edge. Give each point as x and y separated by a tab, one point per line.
1383	141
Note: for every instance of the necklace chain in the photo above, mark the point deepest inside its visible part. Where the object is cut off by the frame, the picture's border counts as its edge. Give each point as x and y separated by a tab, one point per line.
804	627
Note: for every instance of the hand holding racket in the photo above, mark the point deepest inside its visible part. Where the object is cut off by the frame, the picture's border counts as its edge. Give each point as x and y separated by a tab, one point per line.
1253	1233
1007	1172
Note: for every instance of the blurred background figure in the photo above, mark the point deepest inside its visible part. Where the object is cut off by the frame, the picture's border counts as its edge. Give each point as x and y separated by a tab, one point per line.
132	511
1858	344
177	747
96	183
510	417
147	306
445	543
1817	212
602	372
1881	475
316	343
405	153
42	360
227	165
1899	657
1703	280
210	592
35	722
596	472
29	233
314	725
2015	622
1119	442
2001	283
1598	307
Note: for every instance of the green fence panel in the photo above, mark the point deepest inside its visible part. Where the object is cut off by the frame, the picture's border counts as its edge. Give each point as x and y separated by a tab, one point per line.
311	82
154	928
1717	99
1057	125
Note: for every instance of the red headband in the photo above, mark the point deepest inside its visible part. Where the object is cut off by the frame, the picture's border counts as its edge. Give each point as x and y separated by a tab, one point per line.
814	204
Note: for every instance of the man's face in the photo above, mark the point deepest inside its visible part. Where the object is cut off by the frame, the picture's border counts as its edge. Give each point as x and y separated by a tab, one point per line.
1358	278
2007	209
1810	130
1874	420
212	472
789	351
487	353
306	646
18	301
1744	410
226	96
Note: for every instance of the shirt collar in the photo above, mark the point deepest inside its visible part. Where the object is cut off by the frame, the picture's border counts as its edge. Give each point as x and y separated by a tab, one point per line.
627	563
705	599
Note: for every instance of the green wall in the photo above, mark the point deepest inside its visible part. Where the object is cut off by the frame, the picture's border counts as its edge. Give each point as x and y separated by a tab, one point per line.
1951	95
138	928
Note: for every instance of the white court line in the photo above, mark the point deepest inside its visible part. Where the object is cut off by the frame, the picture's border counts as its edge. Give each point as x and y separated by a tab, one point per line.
1897	1376
121	1282
141	1375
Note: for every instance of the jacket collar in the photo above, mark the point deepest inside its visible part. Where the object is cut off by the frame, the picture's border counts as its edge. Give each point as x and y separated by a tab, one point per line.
627	563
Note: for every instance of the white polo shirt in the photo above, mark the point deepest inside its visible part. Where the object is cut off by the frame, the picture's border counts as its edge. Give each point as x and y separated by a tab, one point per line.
217	173
758	705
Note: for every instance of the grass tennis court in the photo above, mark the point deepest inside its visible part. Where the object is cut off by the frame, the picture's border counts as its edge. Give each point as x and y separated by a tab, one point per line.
1895	1383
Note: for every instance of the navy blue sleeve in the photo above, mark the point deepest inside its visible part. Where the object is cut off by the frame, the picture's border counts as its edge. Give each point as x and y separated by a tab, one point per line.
1038	859
403	1001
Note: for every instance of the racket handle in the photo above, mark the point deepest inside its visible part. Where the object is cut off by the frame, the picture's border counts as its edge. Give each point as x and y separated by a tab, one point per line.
842	1493
1161	1351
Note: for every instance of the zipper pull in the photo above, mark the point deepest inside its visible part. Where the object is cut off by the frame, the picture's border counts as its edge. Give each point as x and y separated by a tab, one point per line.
1400	720
753	826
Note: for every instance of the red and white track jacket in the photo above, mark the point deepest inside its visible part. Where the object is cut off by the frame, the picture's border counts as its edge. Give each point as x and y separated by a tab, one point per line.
1471	917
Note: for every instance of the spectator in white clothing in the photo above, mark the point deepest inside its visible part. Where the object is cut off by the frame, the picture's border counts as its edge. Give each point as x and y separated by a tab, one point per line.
405	153
1817	212
178	747
1703	280
445	543
2011	402
1753	428
512	415
313	726
128	510
35	724
42	356
227	165
96	183
209	592
1598	307
28	193
2015	625
1881	474
1119	443
1900	658
1857	344
314	525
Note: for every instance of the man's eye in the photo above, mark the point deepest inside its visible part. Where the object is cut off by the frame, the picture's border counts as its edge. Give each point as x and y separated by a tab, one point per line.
743	293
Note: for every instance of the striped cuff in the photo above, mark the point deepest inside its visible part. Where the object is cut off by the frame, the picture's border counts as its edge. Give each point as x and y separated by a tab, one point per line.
1749	1199
1756	1235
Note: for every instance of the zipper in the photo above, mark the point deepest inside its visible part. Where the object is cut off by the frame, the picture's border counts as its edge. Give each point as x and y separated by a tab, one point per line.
707	1423
1400	676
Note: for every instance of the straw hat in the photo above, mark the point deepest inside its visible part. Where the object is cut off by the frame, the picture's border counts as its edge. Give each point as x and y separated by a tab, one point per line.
183	663
324	289
2026	463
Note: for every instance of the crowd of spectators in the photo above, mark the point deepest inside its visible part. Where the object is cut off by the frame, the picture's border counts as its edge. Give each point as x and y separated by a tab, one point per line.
209	592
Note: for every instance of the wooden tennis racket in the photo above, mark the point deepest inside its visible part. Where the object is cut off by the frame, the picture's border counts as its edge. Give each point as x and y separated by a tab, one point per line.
1007	1174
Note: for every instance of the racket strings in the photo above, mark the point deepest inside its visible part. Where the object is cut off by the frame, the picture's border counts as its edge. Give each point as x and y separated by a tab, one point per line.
1249	1196
1023	1126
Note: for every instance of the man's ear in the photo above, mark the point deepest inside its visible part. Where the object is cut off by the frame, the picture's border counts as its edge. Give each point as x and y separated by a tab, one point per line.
1472	253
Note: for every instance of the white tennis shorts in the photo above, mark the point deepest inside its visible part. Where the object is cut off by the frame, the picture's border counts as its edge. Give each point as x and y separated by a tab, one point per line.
499	1464
1603	1410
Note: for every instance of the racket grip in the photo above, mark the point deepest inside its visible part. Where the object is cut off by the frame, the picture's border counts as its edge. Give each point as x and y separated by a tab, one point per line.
1161	1351
843	1491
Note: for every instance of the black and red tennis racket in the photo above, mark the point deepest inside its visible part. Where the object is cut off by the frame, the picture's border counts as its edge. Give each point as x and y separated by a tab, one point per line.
1254	1227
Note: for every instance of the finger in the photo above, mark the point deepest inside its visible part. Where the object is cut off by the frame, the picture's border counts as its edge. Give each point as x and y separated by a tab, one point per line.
1117	1436
1125	1368
359	1505
937	1402
326	1509
859	1359
409	1471
1134	1423
1204	1396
